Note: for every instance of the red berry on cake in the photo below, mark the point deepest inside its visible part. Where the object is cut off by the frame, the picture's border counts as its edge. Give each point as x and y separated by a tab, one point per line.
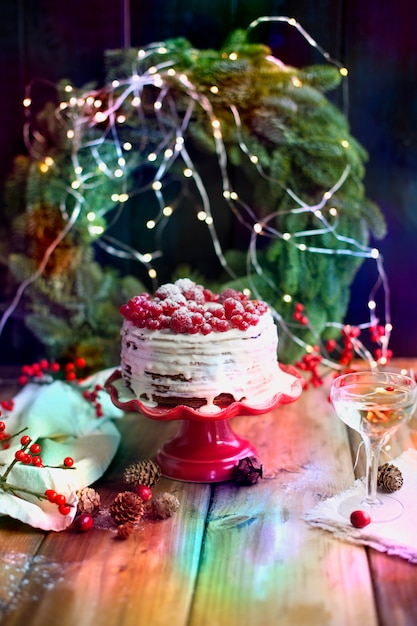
181	320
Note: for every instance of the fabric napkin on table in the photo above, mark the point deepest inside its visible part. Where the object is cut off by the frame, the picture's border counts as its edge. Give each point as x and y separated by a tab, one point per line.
398	537
64	423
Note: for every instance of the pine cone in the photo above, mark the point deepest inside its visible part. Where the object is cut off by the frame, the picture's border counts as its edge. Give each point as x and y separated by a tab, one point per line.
124	531
389	478
248	471
88	501
127	507
145	472
164	505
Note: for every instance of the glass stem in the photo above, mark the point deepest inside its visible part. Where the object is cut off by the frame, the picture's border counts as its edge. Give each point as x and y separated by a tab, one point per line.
373	449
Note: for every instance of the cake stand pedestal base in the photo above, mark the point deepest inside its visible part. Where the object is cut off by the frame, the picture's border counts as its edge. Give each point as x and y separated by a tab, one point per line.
206	451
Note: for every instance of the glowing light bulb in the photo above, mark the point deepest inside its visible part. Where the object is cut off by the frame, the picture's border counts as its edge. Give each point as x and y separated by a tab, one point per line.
167	211
150	224
345	143
254	159
209	220
286	236
136	101
75	184
70	134
202	216
68	88
118	173
374	253
49	161
371	305
152	157
156	185
27	102
214	89
123	197
91	216
147	257
344	71
127	146
257	228
233	56
287	298
188	172
152	273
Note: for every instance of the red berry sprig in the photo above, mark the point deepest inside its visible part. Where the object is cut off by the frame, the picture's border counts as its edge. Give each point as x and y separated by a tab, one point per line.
93	397
28	454
44	371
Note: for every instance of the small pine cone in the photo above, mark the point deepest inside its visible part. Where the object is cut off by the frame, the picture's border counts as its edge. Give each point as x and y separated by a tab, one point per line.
124	531
164	505
145	472
248	471
88	501
389	478
127	507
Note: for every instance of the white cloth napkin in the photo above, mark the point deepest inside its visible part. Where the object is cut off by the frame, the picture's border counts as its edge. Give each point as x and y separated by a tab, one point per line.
64	423
397	537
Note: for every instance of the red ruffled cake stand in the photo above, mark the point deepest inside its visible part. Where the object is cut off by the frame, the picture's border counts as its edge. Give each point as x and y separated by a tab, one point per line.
205	449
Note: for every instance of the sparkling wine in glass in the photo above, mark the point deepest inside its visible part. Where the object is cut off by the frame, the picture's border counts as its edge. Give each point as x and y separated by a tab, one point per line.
375	404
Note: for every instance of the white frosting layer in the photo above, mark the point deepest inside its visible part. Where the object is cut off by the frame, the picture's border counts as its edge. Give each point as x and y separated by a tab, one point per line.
167	364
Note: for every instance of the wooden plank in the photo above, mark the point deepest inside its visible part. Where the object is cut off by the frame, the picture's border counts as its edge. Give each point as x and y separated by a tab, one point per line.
261	562
97	578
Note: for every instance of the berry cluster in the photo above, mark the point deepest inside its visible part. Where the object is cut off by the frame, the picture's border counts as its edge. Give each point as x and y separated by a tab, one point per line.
185	307
44	370
310	363
29	454
93	397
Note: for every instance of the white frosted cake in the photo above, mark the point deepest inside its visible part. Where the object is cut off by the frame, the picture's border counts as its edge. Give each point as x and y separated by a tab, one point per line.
189	346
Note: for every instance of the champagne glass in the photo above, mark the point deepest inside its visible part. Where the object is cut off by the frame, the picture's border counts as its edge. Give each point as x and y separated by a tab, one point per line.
375	404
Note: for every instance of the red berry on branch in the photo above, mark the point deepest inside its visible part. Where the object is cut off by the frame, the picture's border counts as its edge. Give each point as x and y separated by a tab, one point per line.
51	495
35	448
360	519
25	440
64	509
80	362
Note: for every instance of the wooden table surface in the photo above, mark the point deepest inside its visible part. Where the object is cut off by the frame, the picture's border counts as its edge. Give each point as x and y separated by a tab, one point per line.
232	556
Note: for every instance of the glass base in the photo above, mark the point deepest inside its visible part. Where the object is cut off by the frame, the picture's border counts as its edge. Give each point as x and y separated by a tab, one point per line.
387	510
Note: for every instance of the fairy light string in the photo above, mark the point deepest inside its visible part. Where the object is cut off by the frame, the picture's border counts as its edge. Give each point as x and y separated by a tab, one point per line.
110	128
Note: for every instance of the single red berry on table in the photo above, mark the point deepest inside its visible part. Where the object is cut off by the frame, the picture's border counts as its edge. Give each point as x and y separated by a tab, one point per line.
360	519
144	492
68	461
84	522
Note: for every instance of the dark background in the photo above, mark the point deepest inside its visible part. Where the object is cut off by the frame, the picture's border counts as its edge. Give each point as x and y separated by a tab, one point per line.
375	40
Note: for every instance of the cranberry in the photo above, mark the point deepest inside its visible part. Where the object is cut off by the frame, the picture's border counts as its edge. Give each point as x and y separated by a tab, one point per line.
360	519
144	492
84	522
